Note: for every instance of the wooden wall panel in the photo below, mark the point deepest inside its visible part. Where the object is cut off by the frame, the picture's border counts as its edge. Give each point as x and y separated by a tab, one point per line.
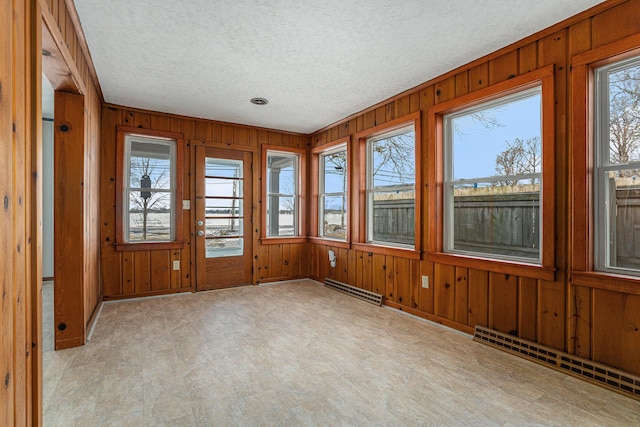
616	324
152	270
551	312
503	303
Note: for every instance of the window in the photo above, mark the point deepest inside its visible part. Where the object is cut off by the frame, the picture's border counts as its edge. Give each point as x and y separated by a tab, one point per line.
282	191
617	167
332	193
390	187
493	178
149	188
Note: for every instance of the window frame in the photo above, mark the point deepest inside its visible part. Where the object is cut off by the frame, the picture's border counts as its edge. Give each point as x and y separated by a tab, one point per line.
360	204
121	244
301	235
582	264
449	181
545	269
601	254
316	182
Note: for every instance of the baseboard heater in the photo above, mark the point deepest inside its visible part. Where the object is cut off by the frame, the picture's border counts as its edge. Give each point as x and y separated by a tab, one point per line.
362	294
596	373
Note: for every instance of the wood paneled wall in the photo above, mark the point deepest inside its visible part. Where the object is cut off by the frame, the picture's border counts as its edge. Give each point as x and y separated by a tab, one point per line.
593	322
77	259
138	273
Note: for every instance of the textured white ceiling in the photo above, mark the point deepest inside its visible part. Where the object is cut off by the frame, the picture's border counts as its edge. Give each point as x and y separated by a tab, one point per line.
315	61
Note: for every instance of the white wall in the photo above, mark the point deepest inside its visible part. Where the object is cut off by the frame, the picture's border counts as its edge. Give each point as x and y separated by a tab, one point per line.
47	198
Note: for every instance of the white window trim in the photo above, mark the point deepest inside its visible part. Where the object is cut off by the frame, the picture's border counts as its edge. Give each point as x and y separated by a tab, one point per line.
295	195
370	190
449	183
602	235
322	195
127	189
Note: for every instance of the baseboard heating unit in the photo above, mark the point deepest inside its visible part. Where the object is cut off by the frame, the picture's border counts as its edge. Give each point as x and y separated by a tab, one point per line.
596	373
362	294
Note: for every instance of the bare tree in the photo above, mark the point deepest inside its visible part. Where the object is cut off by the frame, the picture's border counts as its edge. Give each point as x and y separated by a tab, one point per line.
520	157
395	157
146	200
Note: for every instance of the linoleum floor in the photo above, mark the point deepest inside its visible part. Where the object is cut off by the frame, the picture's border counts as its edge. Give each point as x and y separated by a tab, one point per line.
298	354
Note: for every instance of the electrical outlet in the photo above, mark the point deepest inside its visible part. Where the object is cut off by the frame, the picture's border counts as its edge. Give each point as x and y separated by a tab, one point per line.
176	264
425	282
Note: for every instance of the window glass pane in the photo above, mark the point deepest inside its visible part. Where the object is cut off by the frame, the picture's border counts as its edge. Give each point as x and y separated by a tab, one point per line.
150	165
281	219
622	191
391	181
624	114
223	227
224	187
334	217
223	207
334	170
394	217
617	177
281	173
393	160
150	219
216	248
503	139
497	218
223	168
282	194
493	172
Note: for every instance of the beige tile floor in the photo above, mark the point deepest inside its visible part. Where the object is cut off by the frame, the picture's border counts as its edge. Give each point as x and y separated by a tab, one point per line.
296	354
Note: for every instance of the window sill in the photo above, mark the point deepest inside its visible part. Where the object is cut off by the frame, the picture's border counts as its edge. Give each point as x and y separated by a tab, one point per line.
148	246
330	242
494	265
606	281
387	250
282	240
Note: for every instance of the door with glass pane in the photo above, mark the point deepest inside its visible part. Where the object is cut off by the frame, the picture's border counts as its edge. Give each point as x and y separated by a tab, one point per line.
223	218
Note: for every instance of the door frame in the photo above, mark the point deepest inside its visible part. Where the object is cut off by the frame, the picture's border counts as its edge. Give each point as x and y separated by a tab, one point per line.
255	202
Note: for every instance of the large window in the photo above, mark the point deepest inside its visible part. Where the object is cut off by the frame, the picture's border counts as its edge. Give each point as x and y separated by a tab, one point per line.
391	188
149	185
282	191
332	193
617	167
493	178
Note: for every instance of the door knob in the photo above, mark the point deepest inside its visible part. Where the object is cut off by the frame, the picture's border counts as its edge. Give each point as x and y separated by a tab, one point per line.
200	233
200	223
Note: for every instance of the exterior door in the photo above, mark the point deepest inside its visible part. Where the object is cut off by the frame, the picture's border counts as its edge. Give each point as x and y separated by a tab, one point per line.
223	218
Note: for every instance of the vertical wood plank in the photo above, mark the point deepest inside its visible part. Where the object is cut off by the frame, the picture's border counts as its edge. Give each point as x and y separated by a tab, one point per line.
616	320
389	286
461	304
478	298
444	290
367	271
616	23
352	268
142	271
402	269
275	261
552	314
379	276
581	314
479	76
503	67
160	270
527	308
127	275
503	294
